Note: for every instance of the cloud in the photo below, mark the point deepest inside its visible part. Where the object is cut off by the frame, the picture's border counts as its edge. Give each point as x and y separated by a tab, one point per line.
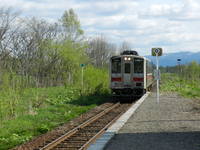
161	10
173	25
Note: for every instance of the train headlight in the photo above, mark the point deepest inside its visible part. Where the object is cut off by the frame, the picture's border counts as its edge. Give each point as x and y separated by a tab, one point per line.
127	58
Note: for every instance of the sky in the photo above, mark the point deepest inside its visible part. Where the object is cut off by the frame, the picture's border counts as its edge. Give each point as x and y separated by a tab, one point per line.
173	25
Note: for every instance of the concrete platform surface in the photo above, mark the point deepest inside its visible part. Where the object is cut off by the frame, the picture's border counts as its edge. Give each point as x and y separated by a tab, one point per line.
173	124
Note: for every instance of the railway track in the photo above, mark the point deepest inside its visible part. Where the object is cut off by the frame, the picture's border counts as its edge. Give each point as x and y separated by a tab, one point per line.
83	135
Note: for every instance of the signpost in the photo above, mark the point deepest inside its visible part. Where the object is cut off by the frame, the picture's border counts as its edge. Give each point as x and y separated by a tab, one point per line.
179	66
157	52
82	66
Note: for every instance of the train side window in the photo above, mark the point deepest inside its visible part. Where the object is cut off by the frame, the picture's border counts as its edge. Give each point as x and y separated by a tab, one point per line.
127	68
116	65
138	65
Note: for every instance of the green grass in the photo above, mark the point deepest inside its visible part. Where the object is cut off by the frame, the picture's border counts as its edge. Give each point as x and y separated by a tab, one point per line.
28	112
186	88
36	111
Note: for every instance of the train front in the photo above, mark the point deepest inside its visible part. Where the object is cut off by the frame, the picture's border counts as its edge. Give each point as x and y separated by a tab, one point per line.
127	75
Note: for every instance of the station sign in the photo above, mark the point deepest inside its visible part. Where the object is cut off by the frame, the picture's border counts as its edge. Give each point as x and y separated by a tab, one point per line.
156	51
82	65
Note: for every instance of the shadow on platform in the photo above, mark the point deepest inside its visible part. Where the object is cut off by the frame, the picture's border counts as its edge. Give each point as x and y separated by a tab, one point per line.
155	141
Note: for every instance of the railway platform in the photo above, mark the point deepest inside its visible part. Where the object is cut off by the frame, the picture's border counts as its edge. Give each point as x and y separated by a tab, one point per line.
171	124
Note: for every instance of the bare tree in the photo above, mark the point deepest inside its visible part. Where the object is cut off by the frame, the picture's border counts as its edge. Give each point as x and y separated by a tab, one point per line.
32	50
124	46
7	30
100	51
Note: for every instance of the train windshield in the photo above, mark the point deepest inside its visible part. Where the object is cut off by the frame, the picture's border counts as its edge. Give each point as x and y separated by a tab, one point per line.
138	65
116	65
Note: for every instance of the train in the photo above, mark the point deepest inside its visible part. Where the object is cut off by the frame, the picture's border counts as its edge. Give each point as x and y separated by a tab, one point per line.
130	74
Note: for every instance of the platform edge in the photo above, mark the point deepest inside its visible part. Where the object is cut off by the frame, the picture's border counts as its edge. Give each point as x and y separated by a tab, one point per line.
112	130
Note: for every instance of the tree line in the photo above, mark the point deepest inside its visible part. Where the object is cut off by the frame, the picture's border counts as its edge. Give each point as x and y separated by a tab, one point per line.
37	53
189	72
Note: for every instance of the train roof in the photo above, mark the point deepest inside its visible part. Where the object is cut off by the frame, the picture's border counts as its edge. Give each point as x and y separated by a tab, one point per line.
118	56
129	52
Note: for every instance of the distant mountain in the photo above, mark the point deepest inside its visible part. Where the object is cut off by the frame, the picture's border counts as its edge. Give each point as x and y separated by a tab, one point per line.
170	59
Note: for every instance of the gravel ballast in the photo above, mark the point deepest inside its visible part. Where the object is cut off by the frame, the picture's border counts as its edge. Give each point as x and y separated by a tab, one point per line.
173	124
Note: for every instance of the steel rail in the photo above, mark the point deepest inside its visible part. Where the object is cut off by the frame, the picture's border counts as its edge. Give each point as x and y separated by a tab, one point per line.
75	130
98	134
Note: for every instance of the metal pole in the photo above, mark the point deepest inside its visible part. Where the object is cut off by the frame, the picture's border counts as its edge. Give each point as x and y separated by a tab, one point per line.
179	76
157	68
179	72
82	77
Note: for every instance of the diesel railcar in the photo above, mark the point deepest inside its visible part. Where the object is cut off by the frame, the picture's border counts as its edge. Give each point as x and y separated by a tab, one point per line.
130	74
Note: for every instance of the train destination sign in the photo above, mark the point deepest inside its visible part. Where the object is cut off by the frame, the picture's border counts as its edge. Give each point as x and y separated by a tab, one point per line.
156	51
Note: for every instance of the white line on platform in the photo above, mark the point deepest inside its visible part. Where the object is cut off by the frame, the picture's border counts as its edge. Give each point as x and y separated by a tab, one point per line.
112	130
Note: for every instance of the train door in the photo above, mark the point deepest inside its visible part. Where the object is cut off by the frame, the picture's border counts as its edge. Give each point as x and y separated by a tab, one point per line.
127	74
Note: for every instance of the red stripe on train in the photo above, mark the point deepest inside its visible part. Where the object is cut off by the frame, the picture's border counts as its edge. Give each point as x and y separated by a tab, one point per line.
116	79
138	79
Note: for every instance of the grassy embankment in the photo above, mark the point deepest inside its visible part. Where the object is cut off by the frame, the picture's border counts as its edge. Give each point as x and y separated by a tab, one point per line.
188	88
34	111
